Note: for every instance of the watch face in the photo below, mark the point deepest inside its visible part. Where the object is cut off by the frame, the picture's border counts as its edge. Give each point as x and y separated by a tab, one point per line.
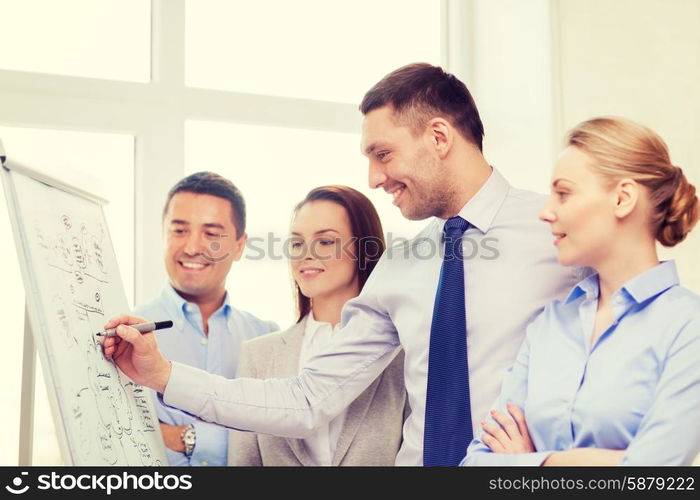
189	436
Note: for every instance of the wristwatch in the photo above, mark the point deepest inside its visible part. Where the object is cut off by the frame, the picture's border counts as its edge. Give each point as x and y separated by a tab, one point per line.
189	438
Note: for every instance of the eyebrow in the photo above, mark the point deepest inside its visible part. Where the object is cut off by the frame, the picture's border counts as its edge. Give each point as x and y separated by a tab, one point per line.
294	233
557	181
213	225
374	146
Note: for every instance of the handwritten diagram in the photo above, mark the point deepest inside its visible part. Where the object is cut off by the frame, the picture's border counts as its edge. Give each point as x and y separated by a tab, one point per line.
76	288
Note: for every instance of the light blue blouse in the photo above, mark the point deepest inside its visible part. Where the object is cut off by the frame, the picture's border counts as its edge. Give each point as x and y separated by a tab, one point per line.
636	389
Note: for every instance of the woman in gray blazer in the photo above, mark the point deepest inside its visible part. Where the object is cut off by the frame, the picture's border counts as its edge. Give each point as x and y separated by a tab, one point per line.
336	240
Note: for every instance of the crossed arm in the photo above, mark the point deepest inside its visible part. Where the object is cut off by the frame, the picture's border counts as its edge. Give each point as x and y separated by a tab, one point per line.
668	433
506	439
510	435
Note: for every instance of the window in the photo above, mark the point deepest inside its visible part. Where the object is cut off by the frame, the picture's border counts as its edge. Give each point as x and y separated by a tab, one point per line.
308	48
107	39
189	107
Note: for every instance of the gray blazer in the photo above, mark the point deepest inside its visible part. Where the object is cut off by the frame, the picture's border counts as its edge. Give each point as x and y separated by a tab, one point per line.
371	433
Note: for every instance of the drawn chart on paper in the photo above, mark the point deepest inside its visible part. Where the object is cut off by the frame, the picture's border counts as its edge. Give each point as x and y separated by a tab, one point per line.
73	286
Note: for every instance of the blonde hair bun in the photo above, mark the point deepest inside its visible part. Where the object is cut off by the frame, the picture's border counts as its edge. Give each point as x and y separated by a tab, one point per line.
681	214
622	148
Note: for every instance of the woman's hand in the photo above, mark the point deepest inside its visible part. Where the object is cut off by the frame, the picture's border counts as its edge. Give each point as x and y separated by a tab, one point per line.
511	435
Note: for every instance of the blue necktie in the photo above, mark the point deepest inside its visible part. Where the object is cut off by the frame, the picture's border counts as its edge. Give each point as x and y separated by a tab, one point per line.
448	426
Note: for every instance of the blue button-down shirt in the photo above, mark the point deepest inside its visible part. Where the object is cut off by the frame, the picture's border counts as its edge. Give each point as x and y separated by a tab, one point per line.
637	388
216	353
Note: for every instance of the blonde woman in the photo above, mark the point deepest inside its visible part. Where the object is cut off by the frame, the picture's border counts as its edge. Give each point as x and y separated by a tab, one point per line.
610	374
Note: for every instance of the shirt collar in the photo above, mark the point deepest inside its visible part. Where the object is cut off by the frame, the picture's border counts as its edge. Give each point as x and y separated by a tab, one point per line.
179	306
174	303
482	208
312	325
587	287
651	283
639	289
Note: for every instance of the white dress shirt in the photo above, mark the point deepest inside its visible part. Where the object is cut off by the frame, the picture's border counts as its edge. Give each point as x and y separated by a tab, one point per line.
511	272
322	443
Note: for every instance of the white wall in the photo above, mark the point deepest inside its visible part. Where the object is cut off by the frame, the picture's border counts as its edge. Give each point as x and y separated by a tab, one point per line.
512	86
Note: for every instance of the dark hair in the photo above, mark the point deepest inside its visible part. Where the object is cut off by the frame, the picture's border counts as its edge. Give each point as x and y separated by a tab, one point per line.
419	92
366	228
214	185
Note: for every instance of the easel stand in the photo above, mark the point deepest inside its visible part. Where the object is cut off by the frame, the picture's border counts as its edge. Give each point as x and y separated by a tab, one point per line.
26	414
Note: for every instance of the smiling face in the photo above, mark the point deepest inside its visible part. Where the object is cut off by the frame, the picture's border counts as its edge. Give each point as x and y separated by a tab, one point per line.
323	252
200	245
404	165
581	210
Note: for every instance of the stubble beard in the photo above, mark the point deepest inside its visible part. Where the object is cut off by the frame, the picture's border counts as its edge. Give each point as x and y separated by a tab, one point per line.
435	198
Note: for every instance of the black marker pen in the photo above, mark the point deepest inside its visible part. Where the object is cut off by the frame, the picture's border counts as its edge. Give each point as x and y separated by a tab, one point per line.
141	327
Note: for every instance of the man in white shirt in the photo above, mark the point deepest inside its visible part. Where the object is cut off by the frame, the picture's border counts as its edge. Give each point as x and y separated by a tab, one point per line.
423	137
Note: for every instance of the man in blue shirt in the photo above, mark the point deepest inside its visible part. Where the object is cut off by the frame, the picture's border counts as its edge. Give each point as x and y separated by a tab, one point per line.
204	233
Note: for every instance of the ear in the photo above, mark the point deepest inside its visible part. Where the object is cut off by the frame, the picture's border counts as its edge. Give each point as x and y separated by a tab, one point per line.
239	246
626	197
440	136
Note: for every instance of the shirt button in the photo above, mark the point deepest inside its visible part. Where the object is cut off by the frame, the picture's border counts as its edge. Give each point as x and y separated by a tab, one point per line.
204	341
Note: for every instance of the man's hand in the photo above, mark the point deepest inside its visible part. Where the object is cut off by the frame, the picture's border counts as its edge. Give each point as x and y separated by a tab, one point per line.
172	436
511	435
136	354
